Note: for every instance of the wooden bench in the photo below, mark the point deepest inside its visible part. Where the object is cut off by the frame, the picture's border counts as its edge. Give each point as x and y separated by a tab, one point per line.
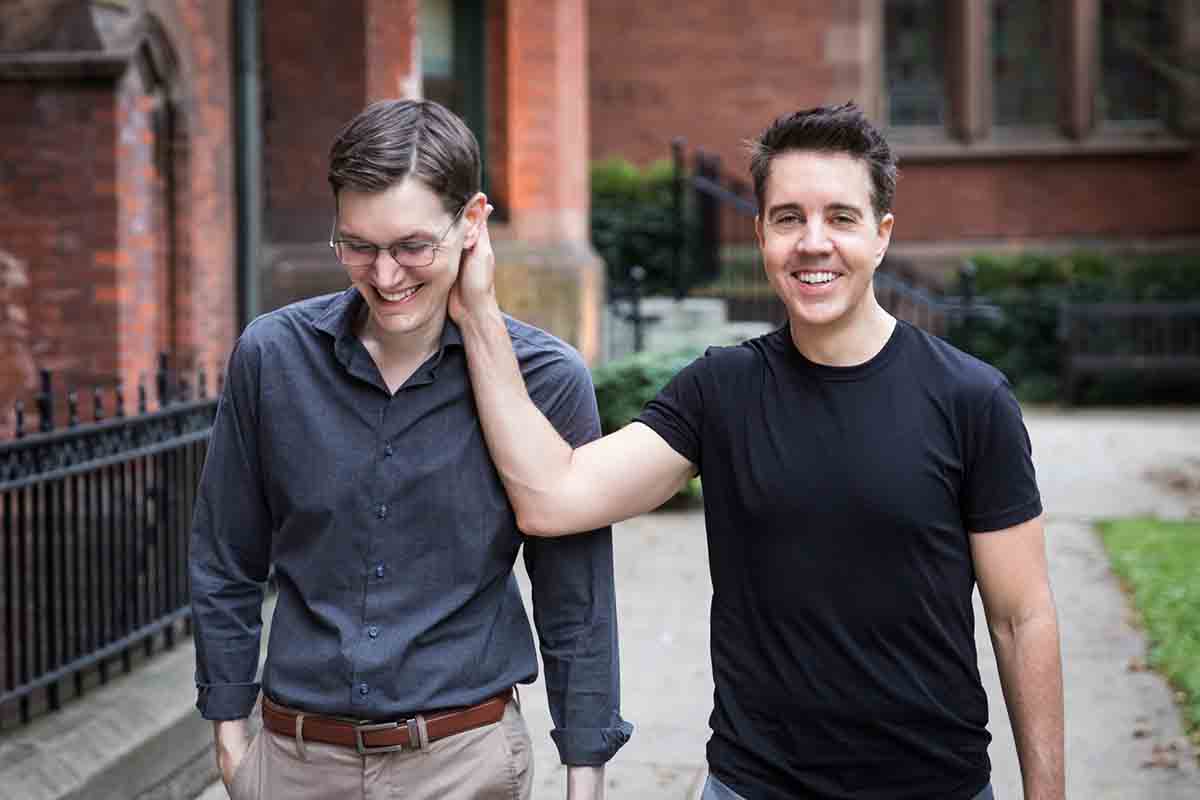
1158	339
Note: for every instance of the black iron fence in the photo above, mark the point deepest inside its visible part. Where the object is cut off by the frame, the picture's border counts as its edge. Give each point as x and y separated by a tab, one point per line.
94	522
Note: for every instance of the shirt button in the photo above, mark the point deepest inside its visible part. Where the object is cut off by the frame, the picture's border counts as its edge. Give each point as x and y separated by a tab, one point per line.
387	450
379	570
363	688
373	631
381	512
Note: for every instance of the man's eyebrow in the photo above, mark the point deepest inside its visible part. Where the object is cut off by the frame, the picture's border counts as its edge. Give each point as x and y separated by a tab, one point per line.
853	209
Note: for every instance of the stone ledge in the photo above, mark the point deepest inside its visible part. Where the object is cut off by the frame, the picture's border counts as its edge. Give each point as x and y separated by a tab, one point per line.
121	741
138	737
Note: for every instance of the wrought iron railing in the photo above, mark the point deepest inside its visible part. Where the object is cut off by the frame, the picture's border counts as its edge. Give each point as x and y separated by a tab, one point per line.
94	522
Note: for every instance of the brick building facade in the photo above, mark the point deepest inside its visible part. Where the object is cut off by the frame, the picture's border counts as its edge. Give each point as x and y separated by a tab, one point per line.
116	228
126	167
1073	169
123	229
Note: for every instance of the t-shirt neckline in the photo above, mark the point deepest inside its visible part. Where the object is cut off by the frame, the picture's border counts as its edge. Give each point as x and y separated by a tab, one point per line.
855	372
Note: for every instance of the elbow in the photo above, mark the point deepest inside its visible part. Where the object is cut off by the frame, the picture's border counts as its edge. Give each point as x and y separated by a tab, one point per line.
534	524
541	523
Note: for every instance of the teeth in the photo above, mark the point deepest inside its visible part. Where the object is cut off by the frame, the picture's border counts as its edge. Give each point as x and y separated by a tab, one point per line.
816	277
398	296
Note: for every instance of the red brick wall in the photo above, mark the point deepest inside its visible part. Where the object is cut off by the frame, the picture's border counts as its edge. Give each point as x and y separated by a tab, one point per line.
140	288
58	228
547	119
1073	197
713	72
312	82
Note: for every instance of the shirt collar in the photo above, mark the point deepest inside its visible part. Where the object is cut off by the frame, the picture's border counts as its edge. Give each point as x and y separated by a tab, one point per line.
338	321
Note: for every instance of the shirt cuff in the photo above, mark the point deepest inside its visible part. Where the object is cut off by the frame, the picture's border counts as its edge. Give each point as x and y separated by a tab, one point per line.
590	747
226	700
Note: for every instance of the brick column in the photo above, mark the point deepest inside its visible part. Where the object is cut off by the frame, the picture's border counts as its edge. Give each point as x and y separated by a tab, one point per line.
393	49
547	133
550	275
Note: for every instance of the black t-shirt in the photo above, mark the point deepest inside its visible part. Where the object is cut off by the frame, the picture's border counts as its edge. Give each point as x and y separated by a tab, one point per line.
838	502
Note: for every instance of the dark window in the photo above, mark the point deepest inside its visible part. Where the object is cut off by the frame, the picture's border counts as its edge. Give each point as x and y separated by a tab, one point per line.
915	62
1023	63
1135	46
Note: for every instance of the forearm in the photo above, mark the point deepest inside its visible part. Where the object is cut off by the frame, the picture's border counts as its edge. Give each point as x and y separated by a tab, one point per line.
585	783
1030	666
528	452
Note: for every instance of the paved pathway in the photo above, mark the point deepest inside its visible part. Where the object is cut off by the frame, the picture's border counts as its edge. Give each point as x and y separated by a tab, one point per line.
1090	465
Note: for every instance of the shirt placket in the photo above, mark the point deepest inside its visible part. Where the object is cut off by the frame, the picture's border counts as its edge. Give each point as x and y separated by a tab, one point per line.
377	573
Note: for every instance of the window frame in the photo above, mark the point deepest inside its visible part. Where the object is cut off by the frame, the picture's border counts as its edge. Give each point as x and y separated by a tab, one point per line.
969	130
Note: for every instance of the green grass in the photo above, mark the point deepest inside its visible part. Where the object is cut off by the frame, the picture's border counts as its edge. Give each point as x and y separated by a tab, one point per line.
1159	562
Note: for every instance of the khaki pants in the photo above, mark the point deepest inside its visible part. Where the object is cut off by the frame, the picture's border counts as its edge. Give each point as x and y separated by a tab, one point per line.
494	762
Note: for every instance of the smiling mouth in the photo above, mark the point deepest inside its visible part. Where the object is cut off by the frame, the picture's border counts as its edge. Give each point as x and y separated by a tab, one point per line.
400	296
815	278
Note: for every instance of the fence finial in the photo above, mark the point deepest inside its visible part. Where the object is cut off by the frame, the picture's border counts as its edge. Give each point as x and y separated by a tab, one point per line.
45	403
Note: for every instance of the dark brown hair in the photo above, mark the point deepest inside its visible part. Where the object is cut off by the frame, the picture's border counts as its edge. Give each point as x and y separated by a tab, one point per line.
828	129
393	139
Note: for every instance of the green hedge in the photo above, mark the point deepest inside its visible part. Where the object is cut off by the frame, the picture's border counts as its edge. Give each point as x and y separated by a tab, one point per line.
633	220
625	385
1028	289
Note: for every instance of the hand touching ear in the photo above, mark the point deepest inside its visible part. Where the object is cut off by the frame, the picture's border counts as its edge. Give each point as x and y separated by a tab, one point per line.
475	288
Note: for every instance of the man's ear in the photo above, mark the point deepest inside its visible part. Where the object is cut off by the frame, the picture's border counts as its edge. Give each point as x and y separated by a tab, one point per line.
885	237
474	213
758	230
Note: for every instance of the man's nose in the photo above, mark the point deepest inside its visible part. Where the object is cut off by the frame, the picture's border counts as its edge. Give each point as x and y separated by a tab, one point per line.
386	270
814	238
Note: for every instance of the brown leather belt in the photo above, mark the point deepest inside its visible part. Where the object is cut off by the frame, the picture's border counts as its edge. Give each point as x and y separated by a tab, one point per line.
382	737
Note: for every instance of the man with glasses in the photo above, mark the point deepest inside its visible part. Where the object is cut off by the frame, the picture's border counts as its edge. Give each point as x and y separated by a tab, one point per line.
346	454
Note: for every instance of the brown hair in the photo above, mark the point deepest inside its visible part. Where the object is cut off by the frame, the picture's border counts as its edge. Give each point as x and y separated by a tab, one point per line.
828	129
393	139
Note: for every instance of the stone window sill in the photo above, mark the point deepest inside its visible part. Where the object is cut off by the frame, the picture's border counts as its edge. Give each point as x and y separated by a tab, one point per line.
917	146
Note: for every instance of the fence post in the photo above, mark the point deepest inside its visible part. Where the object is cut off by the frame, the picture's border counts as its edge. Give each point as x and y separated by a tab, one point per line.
966	291
709	213
679	239
162	381
45	403
637	274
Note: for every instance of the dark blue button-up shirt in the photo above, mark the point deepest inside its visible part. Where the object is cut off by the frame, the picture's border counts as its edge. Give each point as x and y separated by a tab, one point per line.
392	539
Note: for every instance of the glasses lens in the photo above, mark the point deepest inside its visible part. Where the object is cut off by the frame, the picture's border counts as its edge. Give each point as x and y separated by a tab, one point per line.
413	254
355	255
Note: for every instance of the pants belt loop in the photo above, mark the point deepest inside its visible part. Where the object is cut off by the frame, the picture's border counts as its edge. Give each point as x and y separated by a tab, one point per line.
422	732
517	696
301	749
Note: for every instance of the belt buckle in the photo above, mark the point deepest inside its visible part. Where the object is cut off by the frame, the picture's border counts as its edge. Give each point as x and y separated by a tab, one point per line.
362	748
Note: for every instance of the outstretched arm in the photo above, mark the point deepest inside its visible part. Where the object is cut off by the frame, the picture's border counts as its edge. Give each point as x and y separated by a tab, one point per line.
553	488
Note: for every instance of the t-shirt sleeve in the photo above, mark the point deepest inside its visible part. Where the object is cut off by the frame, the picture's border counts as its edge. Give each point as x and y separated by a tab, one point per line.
677	413
1001	487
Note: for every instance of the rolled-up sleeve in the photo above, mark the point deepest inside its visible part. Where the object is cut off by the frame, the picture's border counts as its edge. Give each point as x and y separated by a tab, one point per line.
574	602
230	550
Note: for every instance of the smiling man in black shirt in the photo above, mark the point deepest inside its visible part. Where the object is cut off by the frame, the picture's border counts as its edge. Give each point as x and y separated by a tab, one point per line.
861	477
347	454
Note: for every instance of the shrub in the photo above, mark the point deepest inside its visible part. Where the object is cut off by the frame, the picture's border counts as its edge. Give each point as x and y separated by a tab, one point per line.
1028	289
625	385
634	221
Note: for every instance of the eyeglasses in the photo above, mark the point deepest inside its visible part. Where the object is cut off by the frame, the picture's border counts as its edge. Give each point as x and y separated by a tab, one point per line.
411	253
